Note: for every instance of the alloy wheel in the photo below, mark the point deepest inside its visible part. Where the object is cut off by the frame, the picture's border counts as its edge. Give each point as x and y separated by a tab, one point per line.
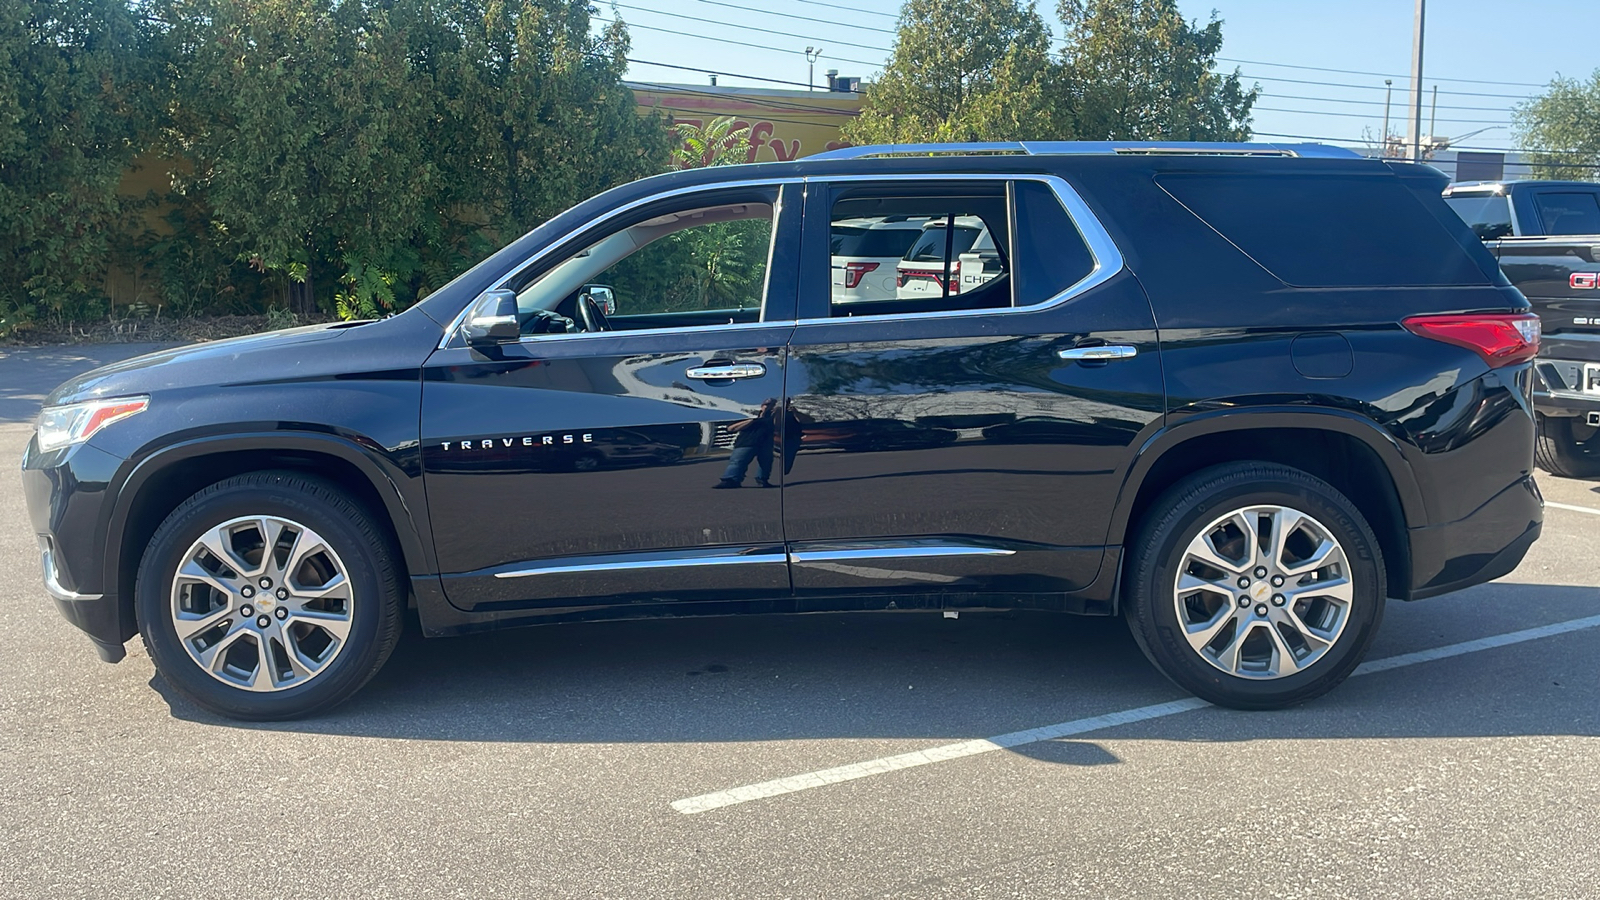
1263	592
262	603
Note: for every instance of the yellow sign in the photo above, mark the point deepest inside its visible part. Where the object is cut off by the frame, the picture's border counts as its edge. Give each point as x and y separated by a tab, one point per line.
784	125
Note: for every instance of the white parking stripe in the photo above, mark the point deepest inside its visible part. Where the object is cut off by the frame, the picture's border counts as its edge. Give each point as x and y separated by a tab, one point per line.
946	752
1569	507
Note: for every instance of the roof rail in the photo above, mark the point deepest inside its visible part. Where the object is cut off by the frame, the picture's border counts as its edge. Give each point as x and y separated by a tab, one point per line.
1120	148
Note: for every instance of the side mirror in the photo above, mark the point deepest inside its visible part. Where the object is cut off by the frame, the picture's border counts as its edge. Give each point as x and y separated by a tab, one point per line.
493	320
603	297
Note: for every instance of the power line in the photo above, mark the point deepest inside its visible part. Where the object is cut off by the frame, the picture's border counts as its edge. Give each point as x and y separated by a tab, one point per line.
1344	115
768	12
646	62
1278	96
731	25
1369	87
1258	62
705	37
865	12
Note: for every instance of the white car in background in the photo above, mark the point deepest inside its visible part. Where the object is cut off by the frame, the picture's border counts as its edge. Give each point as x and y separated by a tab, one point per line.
975	259
866	252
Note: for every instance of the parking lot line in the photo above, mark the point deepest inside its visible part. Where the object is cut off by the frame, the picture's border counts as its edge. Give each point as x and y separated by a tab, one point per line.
795	783
1571	508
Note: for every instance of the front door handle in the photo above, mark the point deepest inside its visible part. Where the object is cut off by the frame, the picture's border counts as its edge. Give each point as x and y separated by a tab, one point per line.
727	371
1099	353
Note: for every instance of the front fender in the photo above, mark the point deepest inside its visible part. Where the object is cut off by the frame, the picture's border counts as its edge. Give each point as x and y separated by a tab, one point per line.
385	472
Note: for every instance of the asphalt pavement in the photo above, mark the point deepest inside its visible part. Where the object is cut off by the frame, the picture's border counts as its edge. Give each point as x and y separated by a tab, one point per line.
561	761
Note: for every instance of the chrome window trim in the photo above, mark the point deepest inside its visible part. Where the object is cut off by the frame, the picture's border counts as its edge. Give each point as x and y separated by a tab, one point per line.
1108	259
455	324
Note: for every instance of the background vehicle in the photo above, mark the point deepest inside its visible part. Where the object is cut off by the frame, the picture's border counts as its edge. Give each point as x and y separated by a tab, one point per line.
865	253
1546	237
974	259
1181	397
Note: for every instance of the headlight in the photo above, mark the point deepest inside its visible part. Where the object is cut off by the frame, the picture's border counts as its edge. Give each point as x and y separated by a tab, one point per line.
62	426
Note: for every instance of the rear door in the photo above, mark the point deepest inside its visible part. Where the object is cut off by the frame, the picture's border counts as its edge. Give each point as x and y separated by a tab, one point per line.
973	438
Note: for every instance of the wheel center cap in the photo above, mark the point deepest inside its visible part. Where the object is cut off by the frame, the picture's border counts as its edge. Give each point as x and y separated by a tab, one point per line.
1260	590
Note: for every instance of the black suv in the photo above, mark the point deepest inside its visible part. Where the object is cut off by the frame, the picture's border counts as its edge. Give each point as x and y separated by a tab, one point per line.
1239	394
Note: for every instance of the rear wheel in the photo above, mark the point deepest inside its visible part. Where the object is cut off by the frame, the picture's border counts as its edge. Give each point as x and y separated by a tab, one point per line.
268	596
1255	586
1568	447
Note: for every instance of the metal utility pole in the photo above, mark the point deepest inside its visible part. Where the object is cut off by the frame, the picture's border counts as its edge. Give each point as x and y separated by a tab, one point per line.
1433	116
1383	139
811	66
1416	84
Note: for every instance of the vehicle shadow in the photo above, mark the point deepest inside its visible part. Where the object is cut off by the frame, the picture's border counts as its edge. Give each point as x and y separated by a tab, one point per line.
917	676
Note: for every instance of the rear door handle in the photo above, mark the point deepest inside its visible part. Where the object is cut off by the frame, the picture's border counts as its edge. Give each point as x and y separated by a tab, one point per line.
1099	353
727	371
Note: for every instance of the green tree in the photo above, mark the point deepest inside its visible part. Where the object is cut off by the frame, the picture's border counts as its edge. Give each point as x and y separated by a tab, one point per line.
303	127
1562	128
1135	70
71	96
378	147
961	70
981	70
544	118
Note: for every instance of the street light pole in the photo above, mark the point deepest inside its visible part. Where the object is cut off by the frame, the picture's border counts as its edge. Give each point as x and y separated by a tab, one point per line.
1416	84
811	65
1388	94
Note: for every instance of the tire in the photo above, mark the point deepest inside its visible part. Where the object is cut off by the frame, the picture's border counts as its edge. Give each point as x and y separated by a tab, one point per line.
309	652
1304	630
1567	447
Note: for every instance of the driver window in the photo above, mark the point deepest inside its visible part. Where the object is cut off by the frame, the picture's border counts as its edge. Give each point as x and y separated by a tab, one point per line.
700	266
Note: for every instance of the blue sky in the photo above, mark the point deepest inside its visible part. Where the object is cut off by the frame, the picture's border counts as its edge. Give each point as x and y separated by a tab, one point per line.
1517	46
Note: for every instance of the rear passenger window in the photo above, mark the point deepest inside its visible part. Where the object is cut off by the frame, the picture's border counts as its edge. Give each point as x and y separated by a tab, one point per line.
905	249
1328	230
1568	213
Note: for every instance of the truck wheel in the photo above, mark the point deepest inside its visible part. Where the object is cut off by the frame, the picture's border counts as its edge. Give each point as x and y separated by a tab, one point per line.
269	595
1254	585
1567	447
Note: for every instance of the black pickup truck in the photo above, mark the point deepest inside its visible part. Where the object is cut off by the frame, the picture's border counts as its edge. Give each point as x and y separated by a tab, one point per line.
1546	235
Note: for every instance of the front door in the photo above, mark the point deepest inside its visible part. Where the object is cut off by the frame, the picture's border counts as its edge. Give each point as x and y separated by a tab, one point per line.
970	432
623	458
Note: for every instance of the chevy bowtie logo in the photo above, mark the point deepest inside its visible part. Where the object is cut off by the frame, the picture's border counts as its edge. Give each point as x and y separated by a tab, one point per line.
532	440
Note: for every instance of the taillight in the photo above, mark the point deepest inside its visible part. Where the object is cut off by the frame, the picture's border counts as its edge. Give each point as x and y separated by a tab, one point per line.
955	277
1500	338
854	271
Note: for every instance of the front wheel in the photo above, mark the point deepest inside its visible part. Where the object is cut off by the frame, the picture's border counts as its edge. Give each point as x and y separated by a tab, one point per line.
1255	586
268	596
1568	447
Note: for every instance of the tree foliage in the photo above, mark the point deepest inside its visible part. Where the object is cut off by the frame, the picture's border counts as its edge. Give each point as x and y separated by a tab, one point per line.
966	70
381	146
70	103
961	70
1135	70
1562	128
